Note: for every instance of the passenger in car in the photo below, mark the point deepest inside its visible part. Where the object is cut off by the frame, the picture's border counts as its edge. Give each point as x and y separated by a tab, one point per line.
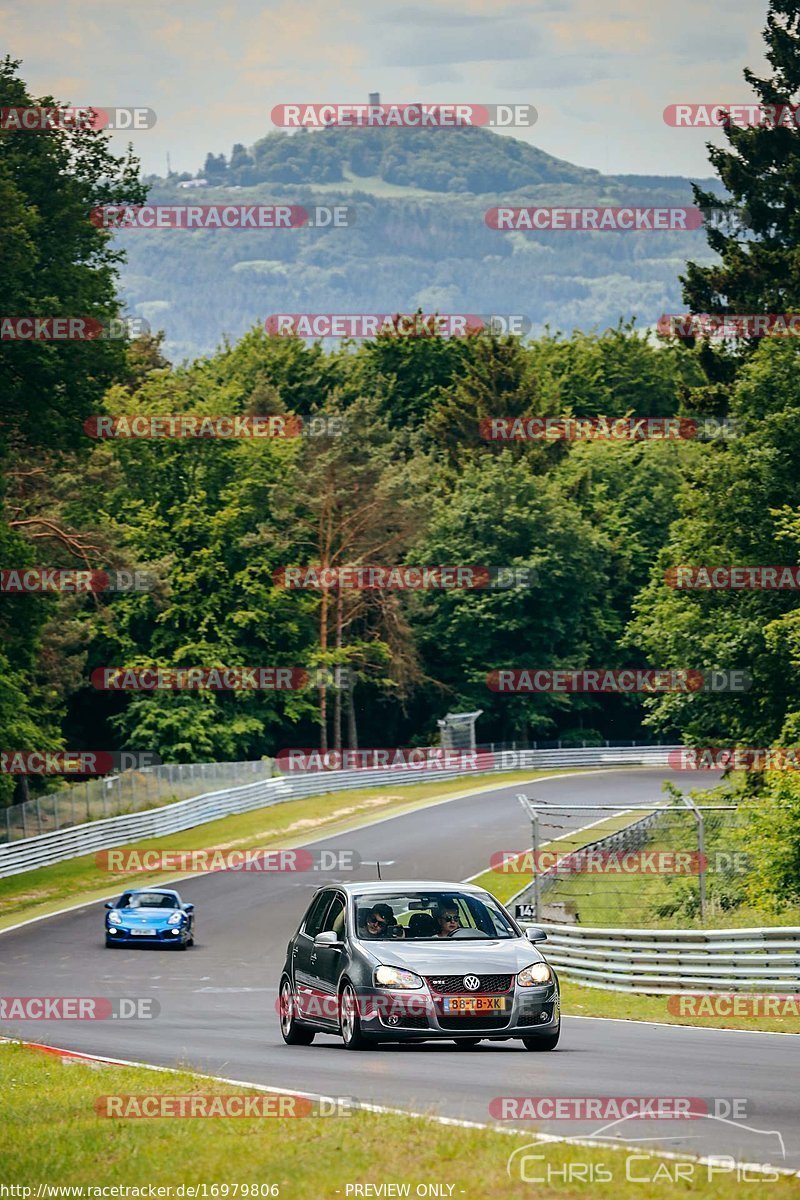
379	922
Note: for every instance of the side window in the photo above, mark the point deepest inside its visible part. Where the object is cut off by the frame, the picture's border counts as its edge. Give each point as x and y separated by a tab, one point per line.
334	920
313	922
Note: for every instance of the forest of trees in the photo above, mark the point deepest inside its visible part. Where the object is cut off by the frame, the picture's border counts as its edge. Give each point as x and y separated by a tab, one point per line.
399	475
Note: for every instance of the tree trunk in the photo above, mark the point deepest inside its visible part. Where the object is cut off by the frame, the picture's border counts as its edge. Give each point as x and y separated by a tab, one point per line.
337	695
323	691
352	732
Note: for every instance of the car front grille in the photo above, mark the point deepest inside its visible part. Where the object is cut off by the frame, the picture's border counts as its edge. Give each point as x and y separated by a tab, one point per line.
453	985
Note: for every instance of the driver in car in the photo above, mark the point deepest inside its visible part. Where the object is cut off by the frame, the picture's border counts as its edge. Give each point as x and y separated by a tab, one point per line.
447	919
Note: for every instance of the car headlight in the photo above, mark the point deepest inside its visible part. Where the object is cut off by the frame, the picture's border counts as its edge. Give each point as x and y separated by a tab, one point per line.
535	975
394	977
115	918
175	919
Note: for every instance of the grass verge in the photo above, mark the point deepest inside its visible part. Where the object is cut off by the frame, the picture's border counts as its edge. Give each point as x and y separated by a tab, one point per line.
601	1002
53	1135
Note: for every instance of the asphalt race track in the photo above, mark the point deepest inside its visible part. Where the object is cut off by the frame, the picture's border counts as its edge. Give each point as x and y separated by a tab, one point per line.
217	1000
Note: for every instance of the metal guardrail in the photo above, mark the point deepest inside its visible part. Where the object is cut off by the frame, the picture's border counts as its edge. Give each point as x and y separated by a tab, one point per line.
655	961
29	853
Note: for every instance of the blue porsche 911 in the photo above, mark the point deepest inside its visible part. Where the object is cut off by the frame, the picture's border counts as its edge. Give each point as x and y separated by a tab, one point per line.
152	916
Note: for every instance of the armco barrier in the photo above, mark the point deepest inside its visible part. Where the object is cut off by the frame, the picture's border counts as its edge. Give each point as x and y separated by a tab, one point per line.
654	961
29	853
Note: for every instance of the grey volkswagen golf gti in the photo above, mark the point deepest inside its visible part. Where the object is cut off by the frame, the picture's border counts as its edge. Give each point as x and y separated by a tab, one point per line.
416	961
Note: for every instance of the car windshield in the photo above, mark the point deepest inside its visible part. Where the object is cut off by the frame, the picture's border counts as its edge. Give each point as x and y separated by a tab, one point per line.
148	900
426	916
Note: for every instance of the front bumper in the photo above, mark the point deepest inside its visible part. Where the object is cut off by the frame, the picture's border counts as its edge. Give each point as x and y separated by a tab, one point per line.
406	1015
173	934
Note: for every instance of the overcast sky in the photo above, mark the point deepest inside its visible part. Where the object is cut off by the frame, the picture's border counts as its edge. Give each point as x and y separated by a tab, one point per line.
599	74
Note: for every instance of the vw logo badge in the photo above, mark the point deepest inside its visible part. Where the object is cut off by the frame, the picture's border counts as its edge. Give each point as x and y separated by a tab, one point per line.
472	983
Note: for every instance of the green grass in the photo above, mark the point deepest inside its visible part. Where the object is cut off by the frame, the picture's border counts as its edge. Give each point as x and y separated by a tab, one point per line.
53	1135
601	1002
78	880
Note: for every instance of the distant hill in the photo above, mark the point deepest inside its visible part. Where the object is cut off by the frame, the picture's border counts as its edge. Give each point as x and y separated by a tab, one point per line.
419	239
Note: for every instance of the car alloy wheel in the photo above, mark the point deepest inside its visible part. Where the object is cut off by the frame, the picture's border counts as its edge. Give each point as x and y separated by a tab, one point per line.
292	1032
349	1020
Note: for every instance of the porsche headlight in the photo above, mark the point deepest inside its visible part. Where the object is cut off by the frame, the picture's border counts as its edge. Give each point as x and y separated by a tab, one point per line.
535	975
114	918
394	977
175	919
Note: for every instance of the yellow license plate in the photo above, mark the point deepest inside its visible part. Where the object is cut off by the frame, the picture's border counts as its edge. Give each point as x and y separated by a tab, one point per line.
474	1004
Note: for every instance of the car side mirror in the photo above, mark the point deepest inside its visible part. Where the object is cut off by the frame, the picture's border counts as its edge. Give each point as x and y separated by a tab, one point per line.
108	904
534	934
188	908
328	938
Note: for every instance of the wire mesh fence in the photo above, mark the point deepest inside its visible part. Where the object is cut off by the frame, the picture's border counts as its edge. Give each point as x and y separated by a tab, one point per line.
129	792
667	866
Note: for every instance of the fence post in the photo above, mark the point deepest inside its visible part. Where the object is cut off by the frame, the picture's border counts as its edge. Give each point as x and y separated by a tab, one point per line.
535	843
701	855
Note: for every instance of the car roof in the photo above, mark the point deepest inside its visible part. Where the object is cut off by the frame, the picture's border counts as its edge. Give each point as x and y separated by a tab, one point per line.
383	886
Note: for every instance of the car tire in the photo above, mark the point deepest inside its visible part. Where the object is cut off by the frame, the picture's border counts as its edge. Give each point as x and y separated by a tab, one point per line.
349	1020
292	1031
466	1043
545	1041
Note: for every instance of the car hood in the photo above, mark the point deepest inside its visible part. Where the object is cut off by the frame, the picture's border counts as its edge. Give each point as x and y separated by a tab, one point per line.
495	956
141	916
